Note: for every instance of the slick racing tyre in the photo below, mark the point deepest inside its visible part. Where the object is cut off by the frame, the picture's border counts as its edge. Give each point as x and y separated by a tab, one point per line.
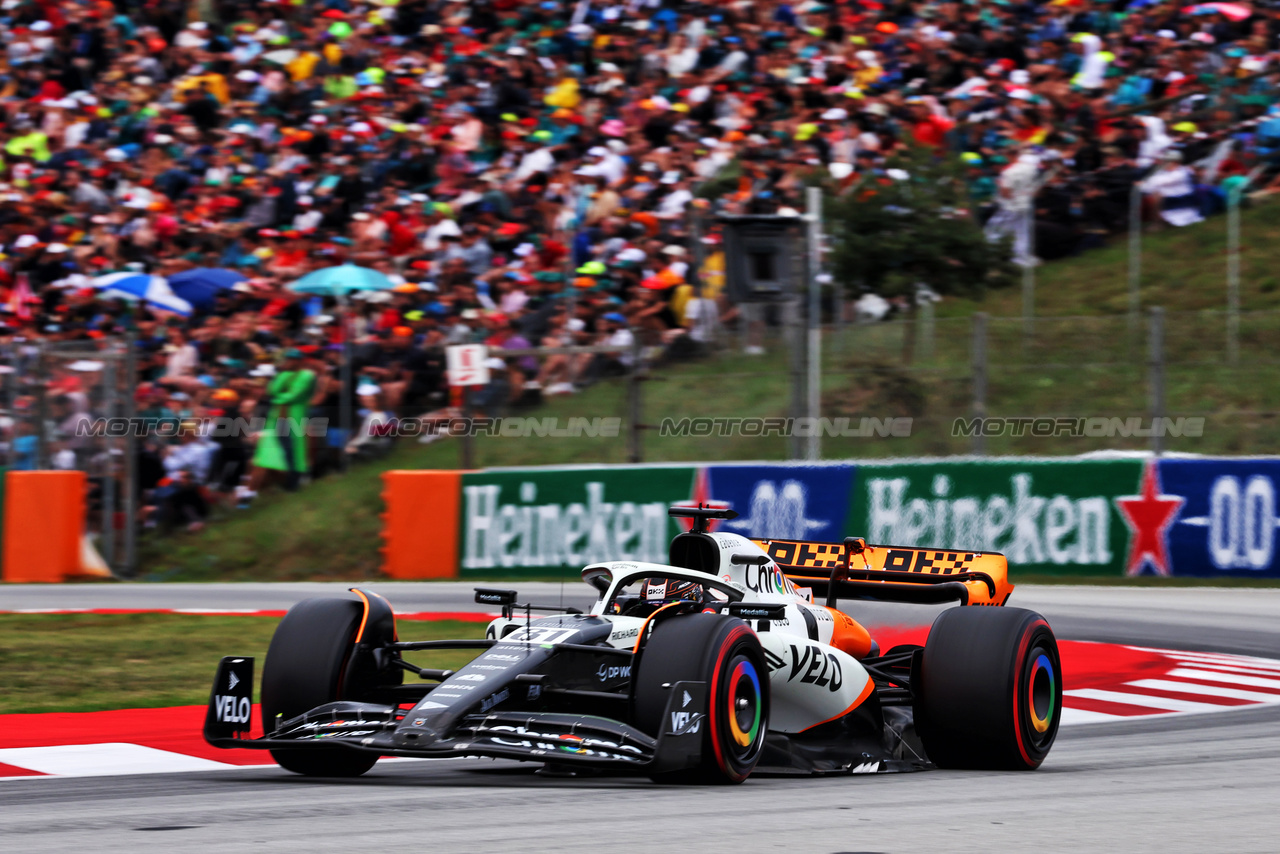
989	690
725	654
304	669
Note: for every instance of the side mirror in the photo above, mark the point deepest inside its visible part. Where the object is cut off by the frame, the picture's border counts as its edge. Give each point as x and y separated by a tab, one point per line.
599	577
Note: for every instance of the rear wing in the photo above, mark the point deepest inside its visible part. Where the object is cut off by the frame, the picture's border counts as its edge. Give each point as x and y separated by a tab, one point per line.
892	573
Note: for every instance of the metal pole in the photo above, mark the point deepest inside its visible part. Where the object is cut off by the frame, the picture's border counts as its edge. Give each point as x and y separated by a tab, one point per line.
635	452
42	406
838	303
569	275
697	252
344	376
467	446
109	471
698	257
1233	275
129	567
979	356
924	343
1155	345
791	311
814	204
1135	258
1029	281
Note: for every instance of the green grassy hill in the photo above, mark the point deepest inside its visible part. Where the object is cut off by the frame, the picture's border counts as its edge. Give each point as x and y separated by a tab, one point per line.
1082	358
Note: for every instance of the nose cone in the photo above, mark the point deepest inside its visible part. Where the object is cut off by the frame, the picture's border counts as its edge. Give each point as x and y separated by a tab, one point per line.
415	731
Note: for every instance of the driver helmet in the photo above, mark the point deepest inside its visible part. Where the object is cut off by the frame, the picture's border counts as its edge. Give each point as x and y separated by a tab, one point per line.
668	589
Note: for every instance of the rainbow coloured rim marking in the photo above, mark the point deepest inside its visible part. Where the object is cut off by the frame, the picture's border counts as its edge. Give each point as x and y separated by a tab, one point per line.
744	670
1042	663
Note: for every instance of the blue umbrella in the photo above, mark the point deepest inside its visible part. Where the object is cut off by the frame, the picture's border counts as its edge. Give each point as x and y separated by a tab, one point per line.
152	290
200	286
342	280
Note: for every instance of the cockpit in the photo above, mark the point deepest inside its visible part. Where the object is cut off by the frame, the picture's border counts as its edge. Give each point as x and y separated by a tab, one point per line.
641	596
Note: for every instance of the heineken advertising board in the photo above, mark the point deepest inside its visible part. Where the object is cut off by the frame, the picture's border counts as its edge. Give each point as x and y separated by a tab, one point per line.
1076	517
551	521
1043	516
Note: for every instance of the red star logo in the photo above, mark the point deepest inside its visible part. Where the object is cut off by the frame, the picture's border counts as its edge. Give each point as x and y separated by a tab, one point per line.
702	498
1149	516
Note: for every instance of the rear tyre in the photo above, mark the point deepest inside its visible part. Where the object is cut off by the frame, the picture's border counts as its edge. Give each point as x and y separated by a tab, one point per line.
724	653
989	690
304	669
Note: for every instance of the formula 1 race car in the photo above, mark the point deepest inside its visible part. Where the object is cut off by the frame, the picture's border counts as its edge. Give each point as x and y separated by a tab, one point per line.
733	658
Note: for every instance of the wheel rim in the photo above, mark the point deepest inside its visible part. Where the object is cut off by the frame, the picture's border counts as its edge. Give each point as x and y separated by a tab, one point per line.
1040	693
742	709
1042	697
745	703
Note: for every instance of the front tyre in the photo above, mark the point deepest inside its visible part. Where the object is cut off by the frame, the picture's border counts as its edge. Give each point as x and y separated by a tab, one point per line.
990	689
305	665
724	653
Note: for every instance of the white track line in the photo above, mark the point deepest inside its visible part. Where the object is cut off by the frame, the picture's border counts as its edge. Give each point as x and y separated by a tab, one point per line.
1071	716
1228	678
104	760
1168	704
1216	657
1225	668
1234	661
1206	690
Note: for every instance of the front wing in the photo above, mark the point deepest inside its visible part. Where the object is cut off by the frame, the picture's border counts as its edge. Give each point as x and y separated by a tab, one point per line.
529	736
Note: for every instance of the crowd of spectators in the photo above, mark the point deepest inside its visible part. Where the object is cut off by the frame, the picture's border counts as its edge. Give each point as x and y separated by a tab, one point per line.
523	173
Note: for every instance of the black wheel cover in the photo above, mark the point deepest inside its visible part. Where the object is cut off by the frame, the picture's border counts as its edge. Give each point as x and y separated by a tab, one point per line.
724	653
304	668
989	693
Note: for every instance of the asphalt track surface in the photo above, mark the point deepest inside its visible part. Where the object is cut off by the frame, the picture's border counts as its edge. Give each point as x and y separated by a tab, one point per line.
1199	783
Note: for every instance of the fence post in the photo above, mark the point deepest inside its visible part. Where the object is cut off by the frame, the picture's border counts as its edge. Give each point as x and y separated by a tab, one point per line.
1233	275
1135	258
1029	283
693	223
1155	349
814	350
466	447
42	406
979	357
129	568
791	308
635	451
110	474
924	341
346	394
